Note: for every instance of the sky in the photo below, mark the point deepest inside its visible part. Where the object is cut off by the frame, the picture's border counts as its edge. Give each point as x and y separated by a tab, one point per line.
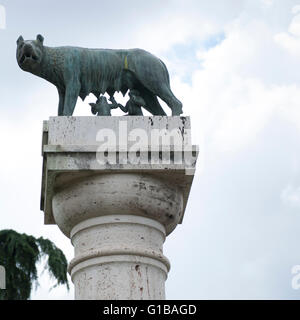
234	64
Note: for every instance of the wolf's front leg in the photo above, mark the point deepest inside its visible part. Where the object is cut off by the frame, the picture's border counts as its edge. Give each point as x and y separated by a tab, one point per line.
71	95
61	96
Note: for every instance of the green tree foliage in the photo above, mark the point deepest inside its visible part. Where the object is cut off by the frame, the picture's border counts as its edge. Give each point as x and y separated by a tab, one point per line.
19	254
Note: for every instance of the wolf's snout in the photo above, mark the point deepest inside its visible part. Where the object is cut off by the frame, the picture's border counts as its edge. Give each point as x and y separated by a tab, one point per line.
27	53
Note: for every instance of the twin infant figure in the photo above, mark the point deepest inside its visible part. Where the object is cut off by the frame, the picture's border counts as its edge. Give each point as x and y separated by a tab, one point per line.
132	107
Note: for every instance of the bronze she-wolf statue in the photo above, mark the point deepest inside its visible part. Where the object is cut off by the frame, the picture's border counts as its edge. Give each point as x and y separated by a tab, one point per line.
77	72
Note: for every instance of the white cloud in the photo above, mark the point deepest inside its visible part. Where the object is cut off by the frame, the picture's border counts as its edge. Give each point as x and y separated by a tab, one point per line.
290	40
294	27
178	22
296	9
290	195
267	3
234	94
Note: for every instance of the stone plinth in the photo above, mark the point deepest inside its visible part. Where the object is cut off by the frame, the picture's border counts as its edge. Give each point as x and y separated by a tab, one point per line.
117	186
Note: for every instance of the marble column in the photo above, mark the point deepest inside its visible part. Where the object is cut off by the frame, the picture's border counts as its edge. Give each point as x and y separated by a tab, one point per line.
117	202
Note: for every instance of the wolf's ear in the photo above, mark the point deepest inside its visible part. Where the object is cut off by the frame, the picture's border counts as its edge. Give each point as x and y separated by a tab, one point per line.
20	40
40	38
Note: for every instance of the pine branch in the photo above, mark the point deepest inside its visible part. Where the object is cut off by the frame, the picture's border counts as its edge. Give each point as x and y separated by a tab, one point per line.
19	254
